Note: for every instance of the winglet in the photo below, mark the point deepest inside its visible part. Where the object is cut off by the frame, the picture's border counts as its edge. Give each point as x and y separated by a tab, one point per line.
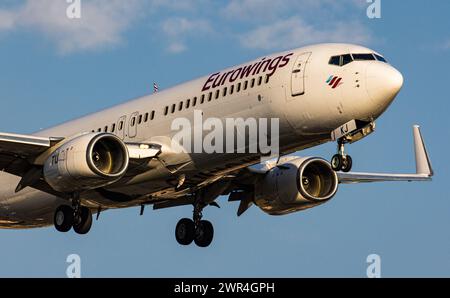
423	164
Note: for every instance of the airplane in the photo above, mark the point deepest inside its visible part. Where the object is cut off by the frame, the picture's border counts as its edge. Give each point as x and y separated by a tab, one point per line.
124	156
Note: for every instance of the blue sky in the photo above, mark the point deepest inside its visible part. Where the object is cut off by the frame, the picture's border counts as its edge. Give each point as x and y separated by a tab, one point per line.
54	69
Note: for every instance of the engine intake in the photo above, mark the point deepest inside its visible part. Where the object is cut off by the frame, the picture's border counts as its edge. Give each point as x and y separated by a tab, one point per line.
107	156
297	184
316	180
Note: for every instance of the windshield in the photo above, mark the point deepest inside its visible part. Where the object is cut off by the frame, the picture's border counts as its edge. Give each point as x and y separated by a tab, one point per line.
345	59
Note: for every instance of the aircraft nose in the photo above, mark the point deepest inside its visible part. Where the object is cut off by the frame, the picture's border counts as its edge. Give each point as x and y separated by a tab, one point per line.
383	83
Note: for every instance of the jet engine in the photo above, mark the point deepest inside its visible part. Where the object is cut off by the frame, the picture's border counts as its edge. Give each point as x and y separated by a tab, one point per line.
87	162
298	184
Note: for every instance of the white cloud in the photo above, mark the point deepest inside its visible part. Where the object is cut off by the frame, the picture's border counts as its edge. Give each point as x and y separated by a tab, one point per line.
253	10
7	20
279	24
101	25
176	47
261	24
179	5
294	32
263	10
177	30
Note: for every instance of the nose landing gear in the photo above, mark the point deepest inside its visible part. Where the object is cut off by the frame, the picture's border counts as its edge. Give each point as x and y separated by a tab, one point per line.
341	161
348	133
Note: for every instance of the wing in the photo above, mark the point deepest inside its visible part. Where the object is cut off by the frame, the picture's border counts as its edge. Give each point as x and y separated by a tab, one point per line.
424	170
19	156
25	146
17	152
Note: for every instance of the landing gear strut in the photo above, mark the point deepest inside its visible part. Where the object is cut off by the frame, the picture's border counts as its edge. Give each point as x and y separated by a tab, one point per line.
77	217
196	230
341	161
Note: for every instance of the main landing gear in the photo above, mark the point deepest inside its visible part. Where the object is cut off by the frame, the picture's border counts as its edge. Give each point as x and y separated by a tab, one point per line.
77	217
341	161
196	230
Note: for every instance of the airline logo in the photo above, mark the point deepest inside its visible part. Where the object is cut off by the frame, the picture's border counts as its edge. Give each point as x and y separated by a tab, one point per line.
334	81
266	66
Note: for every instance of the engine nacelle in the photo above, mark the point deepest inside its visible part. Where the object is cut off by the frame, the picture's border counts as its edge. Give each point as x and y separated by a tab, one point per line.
86	162
298	184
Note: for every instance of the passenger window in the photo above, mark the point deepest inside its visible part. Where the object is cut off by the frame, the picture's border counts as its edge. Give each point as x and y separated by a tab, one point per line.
188	103
133	121
335	60
113	129
153	115
146	117
180	107
140	119
210	96
252	84
166	110
99	130
238	87
203	99
106	129
217	93
245	85
173	108
231	89
225	91
194	102
267	79
259	81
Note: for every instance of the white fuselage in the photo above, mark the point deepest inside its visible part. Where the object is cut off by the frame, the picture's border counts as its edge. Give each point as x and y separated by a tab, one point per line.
298	93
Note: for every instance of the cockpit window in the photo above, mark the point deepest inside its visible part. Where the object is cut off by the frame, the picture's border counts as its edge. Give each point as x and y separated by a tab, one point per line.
335	60
380	58
363	57
346	59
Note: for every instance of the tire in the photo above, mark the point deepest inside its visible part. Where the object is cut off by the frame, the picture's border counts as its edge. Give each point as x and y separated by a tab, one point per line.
85	221
204	234
347	164
336	162
63	218
185	231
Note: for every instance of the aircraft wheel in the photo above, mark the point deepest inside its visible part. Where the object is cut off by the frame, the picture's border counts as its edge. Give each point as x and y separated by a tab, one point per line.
185	231
84	223
63	219
336	162
347	164
204	234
